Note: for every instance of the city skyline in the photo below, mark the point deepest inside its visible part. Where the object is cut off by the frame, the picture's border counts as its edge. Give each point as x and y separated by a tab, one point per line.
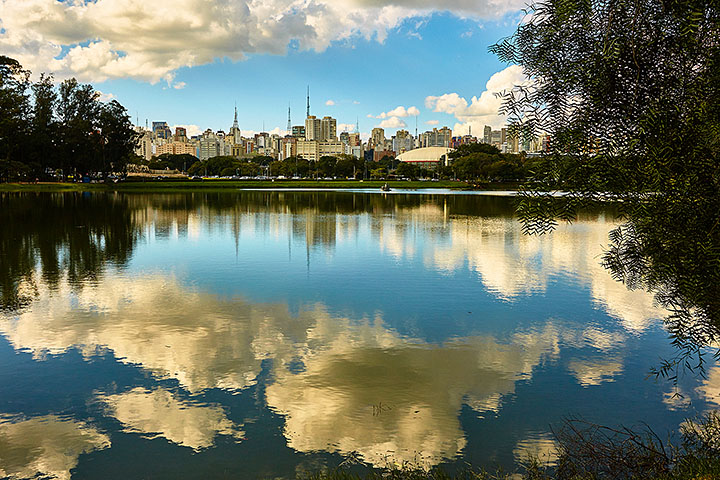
428	64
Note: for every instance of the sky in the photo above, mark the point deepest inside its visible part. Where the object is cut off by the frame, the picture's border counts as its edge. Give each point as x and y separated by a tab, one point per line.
387	63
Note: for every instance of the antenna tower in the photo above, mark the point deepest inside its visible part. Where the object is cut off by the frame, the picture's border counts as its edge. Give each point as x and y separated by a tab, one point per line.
289	128
308	100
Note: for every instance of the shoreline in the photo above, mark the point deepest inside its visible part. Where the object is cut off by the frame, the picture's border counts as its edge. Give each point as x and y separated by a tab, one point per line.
290	185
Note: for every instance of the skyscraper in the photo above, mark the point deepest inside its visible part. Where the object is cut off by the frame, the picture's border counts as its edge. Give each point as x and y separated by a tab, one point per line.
235	137
487	134
328	129
377	138
312	128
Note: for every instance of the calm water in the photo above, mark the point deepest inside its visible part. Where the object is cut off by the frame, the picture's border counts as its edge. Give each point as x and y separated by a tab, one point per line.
262	334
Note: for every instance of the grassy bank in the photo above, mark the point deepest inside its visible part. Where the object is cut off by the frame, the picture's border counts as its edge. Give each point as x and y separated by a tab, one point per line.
219	184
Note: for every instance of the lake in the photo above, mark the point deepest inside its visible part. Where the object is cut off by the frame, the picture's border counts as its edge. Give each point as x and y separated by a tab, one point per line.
262	334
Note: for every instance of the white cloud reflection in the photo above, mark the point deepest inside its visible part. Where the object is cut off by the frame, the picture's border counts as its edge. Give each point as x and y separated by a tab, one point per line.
160	413
47	446
342	385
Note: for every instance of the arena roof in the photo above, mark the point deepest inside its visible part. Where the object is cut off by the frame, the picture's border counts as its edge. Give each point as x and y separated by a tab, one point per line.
427	154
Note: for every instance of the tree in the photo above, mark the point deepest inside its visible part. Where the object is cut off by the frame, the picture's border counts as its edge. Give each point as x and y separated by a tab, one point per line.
44	126
326	166
407	170
14	113
118	137
79	140
630	95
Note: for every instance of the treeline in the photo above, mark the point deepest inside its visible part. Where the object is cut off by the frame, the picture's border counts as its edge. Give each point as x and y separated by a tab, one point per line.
49	131
483	162
476	162
341	166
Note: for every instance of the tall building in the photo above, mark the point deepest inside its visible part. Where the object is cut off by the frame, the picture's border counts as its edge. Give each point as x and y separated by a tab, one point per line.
235	136
209	145
312	128
436	138
161	130
180	135
402	141
377	138
144	146
298	131
328	129
496	139
487	134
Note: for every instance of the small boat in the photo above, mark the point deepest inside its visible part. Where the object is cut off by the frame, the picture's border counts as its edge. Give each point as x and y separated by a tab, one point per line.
385	188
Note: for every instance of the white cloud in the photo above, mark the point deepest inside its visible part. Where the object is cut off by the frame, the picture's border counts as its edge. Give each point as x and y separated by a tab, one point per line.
179	85
330	103
399	111
482	110
150	41
432	122
392	122
106	97
355	102
345	127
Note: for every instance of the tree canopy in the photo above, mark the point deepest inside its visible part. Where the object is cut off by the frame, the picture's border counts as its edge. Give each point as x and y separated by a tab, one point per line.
629	93
65	128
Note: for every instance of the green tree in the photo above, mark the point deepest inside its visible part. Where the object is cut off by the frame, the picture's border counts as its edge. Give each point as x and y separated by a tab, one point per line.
14	115
215	166
79	140
408	170
470	148
326	166
181	162
118	137
629	93
44	125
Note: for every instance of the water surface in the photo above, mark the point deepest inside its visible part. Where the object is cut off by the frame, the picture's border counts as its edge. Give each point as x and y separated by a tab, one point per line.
259	334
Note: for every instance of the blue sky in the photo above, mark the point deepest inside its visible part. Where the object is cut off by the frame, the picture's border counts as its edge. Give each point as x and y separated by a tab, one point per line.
359	62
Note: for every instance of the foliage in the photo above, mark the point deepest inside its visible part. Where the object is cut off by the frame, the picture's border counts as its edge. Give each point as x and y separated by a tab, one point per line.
587	450
470	148
169	161
65	128
630	95
590	452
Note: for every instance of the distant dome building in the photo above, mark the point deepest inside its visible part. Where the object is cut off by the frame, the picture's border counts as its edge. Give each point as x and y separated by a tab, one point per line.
428	157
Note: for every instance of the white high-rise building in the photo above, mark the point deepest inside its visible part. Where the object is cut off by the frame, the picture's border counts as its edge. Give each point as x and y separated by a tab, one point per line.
328	129
312	128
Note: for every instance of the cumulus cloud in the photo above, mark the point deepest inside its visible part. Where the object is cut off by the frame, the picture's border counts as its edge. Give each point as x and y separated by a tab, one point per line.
392	122
149	41
106	97
330	103
399	111
482	110
432	122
